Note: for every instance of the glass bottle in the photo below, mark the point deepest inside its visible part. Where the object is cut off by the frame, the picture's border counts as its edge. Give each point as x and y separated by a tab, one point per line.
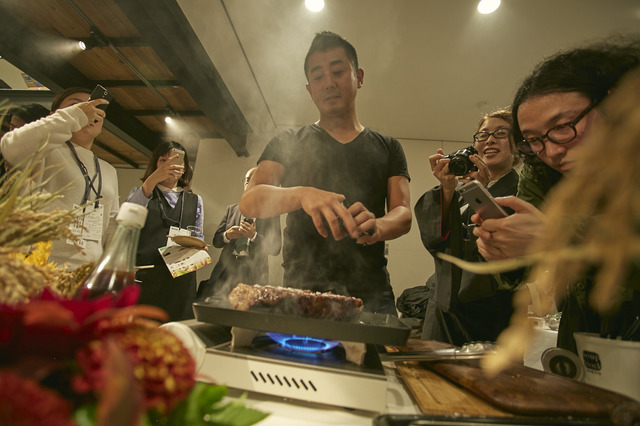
116	268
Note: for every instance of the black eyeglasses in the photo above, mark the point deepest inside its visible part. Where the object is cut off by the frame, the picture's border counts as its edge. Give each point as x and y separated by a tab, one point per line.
245	180
560	134
498	134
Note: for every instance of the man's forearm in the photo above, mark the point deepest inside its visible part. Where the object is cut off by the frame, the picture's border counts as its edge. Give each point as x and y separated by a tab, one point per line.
267	201
395	223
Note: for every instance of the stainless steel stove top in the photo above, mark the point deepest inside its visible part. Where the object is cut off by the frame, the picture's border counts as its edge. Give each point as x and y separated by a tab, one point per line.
325	377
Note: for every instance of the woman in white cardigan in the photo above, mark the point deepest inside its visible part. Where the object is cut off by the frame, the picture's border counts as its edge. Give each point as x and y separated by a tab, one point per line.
68	166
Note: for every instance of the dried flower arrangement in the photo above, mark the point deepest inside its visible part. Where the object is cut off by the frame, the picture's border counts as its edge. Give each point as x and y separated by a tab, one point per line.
25	226
86	362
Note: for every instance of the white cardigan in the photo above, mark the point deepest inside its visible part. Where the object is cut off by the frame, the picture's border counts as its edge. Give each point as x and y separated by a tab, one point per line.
59	166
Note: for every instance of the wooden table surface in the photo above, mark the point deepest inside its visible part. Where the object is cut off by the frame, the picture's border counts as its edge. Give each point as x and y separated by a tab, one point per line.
460	387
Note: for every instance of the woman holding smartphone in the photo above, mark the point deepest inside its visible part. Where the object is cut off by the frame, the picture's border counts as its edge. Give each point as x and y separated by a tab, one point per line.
173	210
462	306
71	169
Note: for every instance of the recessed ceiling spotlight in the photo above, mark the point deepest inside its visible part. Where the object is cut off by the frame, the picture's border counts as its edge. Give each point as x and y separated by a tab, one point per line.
168	119
488	6
314	5
82	45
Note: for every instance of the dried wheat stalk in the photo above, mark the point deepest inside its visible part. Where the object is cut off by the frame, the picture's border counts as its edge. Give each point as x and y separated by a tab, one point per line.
23	223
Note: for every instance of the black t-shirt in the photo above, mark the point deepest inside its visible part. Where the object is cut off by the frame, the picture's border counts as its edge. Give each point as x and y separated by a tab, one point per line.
359	170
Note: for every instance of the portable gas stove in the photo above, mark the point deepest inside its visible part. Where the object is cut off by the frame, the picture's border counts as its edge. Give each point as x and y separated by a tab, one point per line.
316	374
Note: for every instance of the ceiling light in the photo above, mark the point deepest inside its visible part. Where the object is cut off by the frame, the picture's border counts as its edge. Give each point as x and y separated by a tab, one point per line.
314	5
488	6
168	119
82	45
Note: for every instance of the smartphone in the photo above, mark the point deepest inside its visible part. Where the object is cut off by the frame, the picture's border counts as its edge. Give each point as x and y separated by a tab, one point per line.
249	220
481	200
101	93
179	160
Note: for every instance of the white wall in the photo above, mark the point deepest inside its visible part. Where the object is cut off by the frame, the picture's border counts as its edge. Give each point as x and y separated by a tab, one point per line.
218	180
409	262
12	75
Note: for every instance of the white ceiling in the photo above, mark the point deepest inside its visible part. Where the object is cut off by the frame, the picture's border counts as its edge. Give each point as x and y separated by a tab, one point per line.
432	67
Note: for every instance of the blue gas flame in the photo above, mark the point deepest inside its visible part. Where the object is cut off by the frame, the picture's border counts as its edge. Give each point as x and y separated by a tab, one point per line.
303	343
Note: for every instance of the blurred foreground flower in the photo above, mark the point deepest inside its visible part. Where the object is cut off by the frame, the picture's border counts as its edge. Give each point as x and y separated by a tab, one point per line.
20	396
109	365
101	362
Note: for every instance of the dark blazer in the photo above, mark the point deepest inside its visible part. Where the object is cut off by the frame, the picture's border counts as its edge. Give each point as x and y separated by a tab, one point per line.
252	269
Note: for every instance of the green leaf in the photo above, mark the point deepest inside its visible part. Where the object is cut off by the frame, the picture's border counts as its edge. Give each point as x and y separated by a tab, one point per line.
235	413
210	394
85	415
200	401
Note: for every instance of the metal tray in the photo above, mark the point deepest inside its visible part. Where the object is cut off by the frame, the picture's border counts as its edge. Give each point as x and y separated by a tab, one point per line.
380	329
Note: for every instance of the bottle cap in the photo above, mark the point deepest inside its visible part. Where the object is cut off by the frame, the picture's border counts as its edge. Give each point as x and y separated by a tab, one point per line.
132	213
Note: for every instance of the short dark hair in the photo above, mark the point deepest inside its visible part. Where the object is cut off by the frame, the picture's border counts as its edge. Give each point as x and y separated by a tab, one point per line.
326	40
160	150
29	112
592	71
57	100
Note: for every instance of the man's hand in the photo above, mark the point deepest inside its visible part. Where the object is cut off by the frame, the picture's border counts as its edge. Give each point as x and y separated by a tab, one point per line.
326	207
245	229
248	229
511	236
369	231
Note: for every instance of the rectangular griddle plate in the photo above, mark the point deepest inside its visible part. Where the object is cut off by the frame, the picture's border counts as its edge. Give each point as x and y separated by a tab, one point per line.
381	329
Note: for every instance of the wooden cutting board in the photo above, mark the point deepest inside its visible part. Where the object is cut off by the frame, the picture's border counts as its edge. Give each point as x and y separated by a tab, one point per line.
518	390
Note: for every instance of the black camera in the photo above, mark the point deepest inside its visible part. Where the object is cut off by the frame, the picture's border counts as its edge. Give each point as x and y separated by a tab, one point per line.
459	163
249	220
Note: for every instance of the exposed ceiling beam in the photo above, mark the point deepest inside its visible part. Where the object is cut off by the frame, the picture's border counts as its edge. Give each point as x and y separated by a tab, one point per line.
184	113
168	31
138	83
27	50
116	154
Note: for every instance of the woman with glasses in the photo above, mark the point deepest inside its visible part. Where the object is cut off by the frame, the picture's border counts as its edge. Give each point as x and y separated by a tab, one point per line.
553	110
462	306
173	210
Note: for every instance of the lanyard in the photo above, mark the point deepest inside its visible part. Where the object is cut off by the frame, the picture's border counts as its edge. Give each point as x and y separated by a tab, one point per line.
162	211
88	182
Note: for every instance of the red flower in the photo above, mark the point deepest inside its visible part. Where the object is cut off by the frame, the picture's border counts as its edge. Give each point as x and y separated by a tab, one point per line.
24	402
54	328
161	364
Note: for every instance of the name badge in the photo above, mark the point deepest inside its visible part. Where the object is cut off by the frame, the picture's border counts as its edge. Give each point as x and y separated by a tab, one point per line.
174	231
88	225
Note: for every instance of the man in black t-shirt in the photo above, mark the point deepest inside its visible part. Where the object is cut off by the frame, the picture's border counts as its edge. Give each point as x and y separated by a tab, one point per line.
345	187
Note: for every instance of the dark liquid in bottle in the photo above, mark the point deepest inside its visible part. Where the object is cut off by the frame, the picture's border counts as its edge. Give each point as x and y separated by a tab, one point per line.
107	281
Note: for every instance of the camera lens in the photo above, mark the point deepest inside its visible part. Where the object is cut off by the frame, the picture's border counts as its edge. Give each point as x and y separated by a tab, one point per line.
459	163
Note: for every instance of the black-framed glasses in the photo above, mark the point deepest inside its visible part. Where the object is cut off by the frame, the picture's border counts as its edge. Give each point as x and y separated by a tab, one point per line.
498	134
245	180
560	134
